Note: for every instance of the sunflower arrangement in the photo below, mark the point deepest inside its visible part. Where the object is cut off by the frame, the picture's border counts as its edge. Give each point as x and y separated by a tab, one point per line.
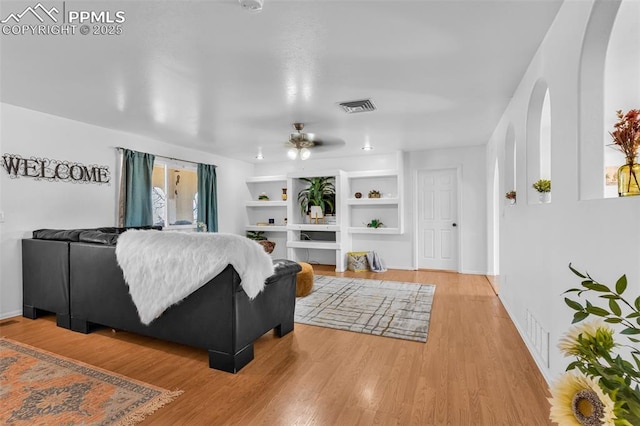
600	387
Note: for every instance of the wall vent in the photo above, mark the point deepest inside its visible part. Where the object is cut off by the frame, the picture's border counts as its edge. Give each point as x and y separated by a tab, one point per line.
539	338
352	107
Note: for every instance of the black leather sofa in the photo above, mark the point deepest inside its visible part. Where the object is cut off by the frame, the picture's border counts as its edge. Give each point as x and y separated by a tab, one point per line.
84	286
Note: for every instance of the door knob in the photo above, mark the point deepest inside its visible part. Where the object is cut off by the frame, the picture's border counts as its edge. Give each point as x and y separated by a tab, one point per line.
454	224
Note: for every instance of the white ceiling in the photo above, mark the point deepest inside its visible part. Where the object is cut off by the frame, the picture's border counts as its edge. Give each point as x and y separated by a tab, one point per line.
208	75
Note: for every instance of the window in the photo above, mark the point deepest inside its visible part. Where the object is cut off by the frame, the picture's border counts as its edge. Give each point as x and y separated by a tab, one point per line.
174	194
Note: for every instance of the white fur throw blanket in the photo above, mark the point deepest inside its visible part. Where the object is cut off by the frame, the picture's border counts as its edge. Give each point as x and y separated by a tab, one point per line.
163	267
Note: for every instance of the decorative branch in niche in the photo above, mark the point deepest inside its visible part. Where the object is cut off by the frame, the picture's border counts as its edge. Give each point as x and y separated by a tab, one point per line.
54	170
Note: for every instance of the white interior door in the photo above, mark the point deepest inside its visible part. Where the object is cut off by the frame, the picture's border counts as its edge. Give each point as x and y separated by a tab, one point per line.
437	219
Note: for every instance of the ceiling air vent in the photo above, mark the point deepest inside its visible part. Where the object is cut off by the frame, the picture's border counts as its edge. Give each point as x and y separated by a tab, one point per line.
352	107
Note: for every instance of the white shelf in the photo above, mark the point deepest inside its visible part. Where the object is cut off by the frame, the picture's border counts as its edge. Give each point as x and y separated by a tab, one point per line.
364	230
266	203
258	179
372	174
319	245
372	201
310	174
266	228
313	227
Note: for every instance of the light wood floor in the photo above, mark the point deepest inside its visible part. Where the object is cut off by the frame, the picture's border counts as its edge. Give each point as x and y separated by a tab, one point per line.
473	370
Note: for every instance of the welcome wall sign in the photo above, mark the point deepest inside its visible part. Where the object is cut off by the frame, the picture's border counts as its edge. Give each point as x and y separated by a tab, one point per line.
54	170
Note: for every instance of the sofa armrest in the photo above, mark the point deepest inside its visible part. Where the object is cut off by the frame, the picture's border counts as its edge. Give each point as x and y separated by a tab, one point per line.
283	267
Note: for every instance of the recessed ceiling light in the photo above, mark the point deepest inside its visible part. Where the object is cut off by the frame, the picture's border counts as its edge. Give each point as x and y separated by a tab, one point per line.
367	148
251	6
259	156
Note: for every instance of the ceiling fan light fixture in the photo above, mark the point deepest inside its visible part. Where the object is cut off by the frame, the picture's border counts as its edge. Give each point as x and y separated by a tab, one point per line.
292	154
305	154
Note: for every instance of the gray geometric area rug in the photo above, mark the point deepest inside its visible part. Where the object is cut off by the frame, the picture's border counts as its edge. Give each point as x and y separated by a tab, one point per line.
384	308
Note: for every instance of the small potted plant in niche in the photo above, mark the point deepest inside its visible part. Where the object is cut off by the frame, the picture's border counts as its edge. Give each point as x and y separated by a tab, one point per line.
543	186
511	196
374	193
317	197
375	223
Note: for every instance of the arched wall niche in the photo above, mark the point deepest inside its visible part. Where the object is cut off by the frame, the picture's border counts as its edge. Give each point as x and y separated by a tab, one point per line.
510	165
538	144
621	83
591	98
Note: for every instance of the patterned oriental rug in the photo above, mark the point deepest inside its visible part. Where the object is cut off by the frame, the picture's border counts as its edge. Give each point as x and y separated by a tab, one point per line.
41	388
384	308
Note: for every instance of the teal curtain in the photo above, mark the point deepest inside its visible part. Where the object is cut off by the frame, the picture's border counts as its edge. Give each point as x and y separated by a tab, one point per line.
208	197
137	171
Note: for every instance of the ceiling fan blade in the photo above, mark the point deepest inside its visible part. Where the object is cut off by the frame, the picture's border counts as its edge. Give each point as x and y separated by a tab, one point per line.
328	144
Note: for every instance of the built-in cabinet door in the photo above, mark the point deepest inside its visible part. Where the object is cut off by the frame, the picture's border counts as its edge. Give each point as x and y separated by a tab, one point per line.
437	212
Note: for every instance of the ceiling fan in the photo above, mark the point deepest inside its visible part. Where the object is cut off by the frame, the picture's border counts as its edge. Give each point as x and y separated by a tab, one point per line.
300	144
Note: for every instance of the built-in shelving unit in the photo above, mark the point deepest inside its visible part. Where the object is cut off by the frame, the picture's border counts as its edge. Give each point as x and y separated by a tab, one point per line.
260	212
387	208
304	239
299	240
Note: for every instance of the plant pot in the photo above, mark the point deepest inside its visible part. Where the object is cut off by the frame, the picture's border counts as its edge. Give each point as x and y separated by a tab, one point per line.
545	197
628	177
316	213
267	245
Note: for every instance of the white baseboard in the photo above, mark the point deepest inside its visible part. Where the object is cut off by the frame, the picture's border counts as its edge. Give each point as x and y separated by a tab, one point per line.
5	315
523	335
471	272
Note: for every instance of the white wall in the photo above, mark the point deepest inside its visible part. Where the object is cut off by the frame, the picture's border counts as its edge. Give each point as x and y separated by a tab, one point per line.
538	241
29	204
397	251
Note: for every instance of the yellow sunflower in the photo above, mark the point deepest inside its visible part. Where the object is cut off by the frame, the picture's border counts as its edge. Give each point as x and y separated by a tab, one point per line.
593	332
577	400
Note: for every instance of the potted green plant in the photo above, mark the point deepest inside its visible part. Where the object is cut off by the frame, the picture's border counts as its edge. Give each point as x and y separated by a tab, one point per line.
511	196
317	196
375	223
543	186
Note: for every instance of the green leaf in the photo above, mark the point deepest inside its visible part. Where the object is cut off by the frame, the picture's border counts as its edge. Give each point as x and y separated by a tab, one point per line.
634	340
613	320
579	316
573	305
595	310
609	296
576	272
615	308
572	290
630	330
637	303
621	284
633	315
596	287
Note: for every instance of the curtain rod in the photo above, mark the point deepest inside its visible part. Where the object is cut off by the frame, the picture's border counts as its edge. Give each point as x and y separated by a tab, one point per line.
119	148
